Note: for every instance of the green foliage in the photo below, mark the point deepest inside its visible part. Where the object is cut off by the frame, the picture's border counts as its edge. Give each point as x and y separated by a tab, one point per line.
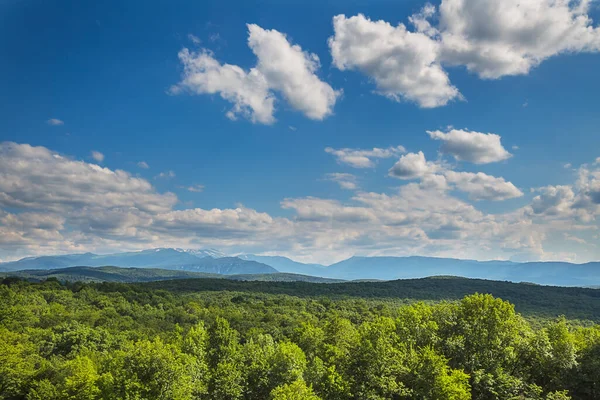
116	341
296	390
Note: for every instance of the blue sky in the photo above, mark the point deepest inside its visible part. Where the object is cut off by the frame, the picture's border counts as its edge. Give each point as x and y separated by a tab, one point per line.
107	72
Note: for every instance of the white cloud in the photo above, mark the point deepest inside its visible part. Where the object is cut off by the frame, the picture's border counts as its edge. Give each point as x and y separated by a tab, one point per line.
97	156
208	222
315	209
291	71
362	158
194	39
481	186
494	40
37	178
403	64
143	164
436	175
346	181
580	201
553	200
55	122
195	188
248	91
412	166
489	38
471	146
281	67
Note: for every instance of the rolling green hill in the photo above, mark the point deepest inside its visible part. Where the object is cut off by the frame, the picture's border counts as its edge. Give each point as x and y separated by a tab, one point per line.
529	299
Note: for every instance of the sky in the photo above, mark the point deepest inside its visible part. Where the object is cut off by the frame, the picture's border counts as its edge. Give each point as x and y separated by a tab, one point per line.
317	130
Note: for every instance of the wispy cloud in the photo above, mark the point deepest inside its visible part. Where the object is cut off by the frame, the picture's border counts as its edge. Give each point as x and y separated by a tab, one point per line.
165	175
55	122
96	155
346	181
194	39
195	188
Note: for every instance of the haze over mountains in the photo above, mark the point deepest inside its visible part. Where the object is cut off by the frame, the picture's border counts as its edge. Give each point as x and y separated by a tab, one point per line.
212	261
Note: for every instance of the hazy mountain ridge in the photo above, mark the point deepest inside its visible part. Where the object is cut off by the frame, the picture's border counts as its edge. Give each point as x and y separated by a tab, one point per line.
354	268
165	258
284	264
390	268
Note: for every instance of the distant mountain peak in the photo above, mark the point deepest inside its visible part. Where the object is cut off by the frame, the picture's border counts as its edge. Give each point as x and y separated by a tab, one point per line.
201	253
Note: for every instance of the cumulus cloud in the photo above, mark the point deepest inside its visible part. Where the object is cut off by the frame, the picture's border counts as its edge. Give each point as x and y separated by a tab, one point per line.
489	38
345	181
66	205
580	200
292	72
97	156
403	64
55	122
436	175
363	158
248	91
412	166
471	146
495	40
588	186
37	178
281	67
481	186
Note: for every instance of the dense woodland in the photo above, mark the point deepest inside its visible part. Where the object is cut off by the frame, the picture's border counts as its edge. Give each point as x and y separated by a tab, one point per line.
124	341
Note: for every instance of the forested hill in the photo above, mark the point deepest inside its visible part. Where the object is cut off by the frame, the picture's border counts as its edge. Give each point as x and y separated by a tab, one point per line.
129	275
548	301
114	341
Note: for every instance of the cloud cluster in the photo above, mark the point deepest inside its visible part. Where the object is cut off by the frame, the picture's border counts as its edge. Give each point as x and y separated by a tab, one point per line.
35	178
496	39
403	64
52	203
281	67
434	174
491	39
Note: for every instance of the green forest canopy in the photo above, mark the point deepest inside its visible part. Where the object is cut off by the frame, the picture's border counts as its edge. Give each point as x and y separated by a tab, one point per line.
120	341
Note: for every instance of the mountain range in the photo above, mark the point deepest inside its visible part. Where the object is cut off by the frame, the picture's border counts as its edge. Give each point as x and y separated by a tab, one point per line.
356	268
165	258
